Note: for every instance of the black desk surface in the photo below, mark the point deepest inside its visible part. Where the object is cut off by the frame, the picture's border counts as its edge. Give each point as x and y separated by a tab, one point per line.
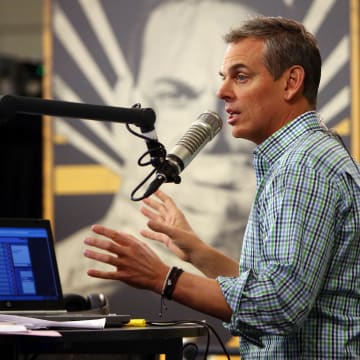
113	334
144	340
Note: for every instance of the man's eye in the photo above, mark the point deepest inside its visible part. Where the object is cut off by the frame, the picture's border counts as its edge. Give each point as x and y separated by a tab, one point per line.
241	77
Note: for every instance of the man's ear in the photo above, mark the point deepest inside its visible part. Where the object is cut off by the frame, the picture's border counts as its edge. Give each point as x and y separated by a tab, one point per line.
294	82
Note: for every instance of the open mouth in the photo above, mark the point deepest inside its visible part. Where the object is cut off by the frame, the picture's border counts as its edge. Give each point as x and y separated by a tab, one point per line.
232	116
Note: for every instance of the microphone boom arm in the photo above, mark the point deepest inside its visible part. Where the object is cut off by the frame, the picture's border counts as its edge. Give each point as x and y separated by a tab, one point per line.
10	105
168	167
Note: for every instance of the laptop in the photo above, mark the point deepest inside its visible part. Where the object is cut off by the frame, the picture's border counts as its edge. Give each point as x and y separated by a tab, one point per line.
29	276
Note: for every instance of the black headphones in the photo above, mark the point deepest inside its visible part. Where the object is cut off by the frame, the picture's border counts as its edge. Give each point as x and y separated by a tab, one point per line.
93	303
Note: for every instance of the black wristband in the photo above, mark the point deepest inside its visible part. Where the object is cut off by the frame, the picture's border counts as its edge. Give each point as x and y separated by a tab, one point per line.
170	282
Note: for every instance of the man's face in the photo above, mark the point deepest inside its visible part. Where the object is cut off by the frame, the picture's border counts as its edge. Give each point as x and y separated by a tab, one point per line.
253	99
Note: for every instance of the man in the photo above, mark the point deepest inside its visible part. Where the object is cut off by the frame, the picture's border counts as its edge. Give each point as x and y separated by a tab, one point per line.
295	294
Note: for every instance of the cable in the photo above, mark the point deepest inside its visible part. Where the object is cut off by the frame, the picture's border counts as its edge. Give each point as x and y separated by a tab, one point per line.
133	198
199	322
157	146
160	148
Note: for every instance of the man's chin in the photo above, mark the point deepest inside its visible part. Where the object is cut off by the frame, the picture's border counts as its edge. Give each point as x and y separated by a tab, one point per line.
239	133
243	133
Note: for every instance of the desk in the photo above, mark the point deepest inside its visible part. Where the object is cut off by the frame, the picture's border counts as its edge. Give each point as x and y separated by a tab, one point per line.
149	340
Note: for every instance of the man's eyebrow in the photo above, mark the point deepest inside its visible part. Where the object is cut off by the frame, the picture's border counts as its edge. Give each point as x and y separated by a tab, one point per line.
234	69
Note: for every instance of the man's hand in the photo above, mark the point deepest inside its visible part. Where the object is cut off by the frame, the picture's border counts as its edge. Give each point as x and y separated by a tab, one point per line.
168	225
133	261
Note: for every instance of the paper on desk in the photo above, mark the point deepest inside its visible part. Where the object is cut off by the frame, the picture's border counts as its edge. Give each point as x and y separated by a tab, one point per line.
51	333
15	329
8	327
33	323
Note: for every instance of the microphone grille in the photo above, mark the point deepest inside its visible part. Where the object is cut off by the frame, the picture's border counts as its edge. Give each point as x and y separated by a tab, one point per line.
207	125
212	121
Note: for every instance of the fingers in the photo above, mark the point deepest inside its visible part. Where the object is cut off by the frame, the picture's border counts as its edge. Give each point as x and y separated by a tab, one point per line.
102	230
164	229
155	205
101	257
114	246
150	214
162	206
167	201
162	196
164	232
155	236
102	244
112	275
160	211
116	236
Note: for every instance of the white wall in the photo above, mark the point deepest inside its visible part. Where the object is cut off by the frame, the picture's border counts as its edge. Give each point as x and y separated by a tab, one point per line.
21	29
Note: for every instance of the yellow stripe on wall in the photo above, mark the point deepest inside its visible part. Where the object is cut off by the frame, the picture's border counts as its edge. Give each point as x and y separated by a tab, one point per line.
85	179
355	75
343	127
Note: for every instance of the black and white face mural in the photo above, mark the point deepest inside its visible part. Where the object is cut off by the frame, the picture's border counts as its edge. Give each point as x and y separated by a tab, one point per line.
166	55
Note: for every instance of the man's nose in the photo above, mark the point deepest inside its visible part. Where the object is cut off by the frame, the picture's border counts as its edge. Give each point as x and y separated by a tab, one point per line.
224	92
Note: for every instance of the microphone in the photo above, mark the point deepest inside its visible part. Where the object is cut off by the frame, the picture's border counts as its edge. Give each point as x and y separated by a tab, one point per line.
207	125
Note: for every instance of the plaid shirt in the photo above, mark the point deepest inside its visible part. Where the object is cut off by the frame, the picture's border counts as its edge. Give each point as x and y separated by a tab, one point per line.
298	292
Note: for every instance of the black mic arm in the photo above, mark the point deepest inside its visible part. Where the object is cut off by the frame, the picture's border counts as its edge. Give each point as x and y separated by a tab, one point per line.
144	118
10	105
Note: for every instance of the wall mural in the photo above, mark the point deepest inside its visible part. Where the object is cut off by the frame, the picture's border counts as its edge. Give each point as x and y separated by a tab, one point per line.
124	52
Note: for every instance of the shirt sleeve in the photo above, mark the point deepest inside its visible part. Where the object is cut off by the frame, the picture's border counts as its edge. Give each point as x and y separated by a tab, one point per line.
291	235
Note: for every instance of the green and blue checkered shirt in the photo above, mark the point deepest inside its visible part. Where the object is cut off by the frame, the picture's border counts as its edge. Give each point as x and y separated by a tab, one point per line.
298	292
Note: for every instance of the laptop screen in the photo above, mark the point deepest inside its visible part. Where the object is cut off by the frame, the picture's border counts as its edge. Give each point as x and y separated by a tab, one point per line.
29	277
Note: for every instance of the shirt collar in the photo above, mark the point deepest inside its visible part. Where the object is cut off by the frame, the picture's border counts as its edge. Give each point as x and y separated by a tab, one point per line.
266	153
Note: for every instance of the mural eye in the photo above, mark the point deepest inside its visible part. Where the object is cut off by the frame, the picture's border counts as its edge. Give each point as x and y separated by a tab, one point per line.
174	94
173	99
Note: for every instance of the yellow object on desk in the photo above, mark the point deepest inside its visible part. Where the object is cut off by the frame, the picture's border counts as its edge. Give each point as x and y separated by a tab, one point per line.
136	323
